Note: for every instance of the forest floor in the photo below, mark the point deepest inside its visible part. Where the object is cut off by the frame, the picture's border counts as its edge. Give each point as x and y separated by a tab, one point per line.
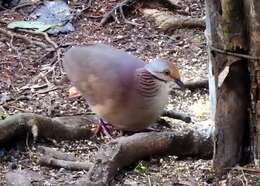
32	83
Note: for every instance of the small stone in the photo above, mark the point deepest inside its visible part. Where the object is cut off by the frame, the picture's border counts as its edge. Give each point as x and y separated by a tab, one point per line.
13	165
194	60
130	182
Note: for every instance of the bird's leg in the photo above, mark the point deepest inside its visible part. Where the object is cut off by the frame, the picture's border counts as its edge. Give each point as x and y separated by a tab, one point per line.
103	128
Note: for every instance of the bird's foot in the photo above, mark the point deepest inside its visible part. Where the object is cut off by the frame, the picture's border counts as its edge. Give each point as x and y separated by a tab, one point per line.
103	128
74	92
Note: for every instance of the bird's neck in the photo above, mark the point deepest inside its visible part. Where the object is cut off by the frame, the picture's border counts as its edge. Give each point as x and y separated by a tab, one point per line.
147	84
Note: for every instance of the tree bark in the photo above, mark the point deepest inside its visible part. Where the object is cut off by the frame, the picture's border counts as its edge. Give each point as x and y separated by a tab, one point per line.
230	96
62	128
253	24
123	151
167	22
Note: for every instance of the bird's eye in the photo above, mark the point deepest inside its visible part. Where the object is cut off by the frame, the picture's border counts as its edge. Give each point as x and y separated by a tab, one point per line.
167	72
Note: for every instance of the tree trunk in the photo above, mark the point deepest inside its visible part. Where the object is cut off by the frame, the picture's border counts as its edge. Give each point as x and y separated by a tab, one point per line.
228	81
253	16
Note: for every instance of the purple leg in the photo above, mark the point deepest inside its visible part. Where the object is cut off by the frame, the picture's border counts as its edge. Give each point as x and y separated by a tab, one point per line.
103	128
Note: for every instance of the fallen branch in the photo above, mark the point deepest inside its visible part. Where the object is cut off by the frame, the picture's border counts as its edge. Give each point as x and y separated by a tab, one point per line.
57	163
126	150
62	128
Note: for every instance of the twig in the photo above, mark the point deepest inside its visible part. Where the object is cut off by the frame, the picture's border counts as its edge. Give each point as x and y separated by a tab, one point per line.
17	51
46	55
124	18
48	39
35	87
198	84
221	51
48	90
44	34
177	115
149	180
256	170
77	16
244	177
32	3
56	60
24	38
193	85
112	13
17	108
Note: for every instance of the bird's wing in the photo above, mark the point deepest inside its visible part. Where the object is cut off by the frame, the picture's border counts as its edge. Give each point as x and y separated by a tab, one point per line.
102	74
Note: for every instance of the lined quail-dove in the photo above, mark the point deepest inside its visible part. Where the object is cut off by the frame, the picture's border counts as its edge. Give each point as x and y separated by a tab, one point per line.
123	90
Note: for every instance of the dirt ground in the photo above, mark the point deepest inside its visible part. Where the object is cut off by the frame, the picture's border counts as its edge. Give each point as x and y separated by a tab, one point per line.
30	81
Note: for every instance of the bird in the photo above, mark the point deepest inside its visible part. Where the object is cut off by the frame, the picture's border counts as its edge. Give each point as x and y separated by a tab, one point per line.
121	89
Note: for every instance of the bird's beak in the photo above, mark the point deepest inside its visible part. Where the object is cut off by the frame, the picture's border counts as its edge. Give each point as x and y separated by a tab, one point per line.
180	84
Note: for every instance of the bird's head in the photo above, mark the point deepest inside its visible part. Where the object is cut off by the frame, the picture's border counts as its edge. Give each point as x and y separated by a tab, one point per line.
164	71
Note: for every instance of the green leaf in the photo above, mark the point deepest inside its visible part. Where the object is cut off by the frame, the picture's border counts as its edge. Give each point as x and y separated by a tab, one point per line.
3	115
36	26
141	167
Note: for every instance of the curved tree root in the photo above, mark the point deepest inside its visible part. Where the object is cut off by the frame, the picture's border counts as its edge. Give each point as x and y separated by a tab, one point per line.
126	150
168	22
59	128
62	128
112	156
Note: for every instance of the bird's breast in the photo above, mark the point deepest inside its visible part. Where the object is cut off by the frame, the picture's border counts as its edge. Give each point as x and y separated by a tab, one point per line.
138	111
139	107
